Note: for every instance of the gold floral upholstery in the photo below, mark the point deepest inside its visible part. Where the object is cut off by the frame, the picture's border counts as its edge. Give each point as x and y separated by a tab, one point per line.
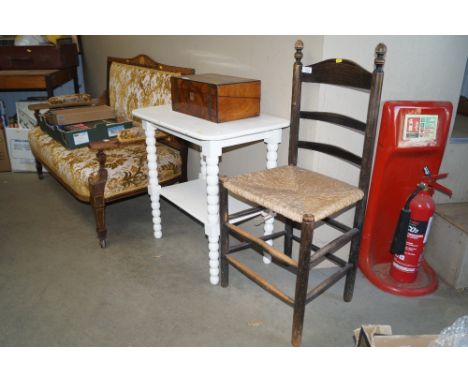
132	87
126	166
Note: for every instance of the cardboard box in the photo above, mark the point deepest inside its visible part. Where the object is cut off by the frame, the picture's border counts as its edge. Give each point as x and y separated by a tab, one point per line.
73	115
216	97
381	336
26	118
21	158
4	158
447	249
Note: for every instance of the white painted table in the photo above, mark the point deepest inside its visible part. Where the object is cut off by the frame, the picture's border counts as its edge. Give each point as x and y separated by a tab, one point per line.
200	197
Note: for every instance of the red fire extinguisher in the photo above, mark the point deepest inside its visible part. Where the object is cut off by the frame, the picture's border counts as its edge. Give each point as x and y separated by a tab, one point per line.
413	228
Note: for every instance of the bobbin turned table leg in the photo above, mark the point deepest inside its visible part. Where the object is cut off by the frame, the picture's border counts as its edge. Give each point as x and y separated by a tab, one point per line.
153	183
272	161
202	173
212	155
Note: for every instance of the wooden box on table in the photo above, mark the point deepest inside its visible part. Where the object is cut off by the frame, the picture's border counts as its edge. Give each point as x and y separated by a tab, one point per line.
216	97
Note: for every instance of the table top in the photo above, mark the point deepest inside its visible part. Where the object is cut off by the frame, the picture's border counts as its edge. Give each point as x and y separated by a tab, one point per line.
38	79
204	130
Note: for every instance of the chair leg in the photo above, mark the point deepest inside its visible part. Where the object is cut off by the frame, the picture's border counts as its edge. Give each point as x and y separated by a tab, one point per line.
354	253
224	233
302	279
40	175
288	240
351	276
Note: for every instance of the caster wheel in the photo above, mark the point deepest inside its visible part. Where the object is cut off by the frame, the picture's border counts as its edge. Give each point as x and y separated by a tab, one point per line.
102	243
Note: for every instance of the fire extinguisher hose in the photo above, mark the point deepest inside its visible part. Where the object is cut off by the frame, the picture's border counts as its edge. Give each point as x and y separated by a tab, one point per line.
401	231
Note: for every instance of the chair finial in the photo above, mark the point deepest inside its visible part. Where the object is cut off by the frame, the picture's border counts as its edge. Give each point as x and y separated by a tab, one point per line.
298	55
380	51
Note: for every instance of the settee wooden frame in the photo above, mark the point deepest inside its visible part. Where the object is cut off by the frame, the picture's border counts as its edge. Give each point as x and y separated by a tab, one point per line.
97	181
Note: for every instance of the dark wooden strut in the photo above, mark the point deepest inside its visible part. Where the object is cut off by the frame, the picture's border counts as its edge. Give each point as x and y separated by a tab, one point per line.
334	245
350	74
247	236
302	278
327	283
288	237
245	212
242	246
337	119
331	150
327	256
366	166
329	221
256	278
336	224
223	233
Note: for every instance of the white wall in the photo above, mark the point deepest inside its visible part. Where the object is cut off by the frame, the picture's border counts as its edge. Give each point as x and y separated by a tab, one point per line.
416	68
464	91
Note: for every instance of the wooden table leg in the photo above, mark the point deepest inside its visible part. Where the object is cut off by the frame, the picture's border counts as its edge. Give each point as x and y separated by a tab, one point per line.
49	88
76	85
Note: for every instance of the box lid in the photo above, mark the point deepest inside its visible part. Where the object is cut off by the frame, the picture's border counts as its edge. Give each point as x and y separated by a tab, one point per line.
79	114
216	79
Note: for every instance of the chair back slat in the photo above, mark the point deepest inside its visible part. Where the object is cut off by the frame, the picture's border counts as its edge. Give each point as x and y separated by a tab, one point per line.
337	71
337	119
331	150
343	73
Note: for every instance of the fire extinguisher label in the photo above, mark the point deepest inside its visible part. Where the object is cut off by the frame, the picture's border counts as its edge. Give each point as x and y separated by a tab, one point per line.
420	128
417	227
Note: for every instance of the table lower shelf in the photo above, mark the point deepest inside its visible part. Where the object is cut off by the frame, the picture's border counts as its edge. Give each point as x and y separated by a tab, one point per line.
191	197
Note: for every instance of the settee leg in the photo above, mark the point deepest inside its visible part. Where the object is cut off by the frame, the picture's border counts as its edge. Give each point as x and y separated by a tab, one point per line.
101	229
97	184
40	175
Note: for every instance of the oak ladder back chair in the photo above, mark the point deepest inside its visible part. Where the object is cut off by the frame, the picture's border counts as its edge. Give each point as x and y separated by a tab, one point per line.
307	199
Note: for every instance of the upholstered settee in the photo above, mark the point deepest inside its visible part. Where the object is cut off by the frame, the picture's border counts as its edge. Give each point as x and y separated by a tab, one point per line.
108	171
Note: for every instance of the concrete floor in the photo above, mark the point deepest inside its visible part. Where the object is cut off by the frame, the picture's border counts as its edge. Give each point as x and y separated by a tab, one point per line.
58	288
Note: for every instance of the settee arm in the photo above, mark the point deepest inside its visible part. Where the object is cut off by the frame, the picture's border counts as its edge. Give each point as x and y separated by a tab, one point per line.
181	146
